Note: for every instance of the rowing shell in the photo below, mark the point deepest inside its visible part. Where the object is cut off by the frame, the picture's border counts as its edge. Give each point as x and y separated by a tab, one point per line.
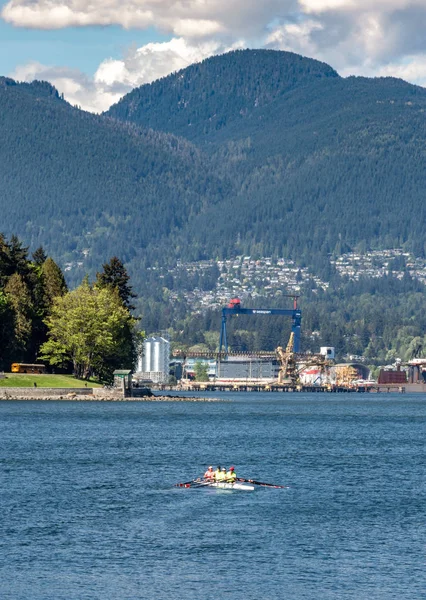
230	486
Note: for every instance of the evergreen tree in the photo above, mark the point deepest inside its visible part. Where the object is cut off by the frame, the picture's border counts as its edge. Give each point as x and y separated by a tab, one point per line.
54	281
19	299
39	256
19	256
6	267
47	282
115	276
25	299
7	336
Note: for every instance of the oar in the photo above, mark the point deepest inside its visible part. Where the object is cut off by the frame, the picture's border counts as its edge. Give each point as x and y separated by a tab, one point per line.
272	485
184	484
192	483
202	483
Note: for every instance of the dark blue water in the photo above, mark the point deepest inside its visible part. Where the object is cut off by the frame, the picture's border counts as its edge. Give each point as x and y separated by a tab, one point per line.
88	509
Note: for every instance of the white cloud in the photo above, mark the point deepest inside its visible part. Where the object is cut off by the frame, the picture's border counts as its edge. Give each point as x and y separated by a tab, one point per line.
412	69
370	37
295	37
150	62
354	31
197	28
320	6
57	14
192	18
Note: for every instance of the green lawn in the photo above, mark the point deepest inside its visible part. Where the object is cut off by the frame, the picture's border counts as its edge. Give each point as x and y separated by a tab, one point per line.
44	381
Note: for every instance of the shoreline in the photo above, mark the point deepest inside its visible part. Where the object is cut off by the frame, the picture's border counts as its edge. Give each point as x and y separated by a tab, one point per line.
92	395
71	396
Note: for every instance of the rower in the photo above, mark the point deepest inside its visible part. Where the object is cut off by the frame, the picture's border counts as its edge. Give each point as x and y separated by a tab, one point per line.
209	474
222	475
217	473
231	475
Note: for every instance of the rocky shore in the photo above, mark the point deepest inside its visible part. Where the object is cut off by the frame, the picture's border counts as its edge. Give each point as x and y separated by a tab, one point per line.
91	394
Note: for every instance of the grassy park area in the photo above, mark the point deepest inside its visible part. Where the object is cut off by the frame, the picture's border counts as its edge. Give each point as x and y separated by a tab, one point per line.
44	381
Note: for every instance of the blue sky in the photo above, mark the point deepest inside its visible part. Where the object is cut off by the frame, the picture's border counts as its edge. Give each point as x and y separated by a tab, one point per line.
96	52
81	48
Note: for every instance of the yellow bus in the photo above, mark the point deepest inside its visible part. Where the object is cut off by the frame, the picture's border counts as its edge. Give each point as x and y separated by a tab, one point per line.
26	368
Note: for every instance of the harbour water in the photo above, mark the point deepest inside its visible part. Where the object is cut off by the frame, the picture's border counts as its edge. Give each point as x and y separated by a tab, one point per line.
88	509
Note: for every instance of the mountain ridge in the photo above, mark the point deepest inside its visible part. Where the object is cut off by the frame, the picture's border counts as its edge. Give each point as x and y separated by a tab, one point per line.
64	169
263	82
302	163
341	153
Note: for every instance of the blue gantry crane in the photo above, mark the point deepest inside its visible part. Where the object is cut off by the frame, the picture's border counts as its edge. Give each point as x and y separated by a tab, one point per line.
234	308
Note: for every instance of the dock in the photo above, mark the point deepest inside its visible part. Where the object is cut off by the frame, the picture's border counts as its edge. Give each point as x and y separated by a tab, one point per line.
252	386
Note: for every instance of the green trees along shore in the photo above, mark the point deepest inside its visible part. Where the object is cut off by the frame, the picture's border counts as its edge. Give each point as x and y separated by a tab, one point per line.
89	330
91	327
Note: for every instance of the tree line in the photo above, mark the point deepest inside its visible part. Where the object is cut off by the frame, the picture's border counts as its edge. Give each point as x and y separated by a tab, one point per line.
89	330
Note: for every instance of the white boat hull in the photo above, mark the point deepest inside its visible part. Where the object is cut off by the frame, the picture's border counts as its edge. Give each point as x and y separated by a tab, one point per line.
231	486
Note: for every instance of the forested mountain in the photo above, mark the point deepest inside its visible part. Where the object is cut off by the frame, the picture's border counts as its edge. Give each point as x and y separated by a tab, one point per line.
282	157
78	182
254	152
221	92
318	162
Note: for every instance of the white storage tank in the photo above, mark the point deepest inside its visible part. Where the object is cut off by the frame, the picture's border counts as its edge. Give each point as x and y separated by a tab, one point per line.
327	351
155	358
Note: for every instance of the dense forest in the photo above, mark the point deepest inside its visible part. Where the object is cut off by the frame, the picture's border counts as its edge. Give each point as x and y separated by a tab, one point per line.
88	187
318	163
254	152
28	286
88	330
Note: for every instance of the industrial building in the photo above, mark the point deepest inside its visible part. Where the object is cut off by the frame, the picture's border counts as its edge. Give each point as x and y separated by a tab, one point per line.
248	368
237	368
